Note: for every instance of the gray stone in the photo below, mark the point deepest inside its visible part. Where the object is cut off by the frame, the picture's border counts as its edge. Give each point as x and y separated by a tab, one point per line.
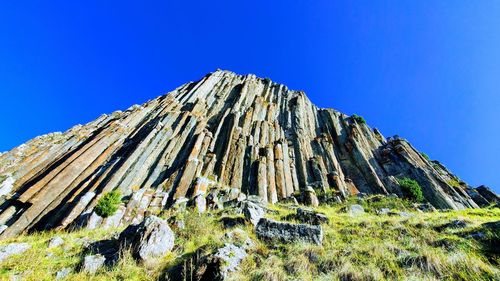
355	210
405	214
13	249
63	273
150	239
55	242
231	256
287	232
93	263
310	216
425	207
201	203
383	211
253	212
93	221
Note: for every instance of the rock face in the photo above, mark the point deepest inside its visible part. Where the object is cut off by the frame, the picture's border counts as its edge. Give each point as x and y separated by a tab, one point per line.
148	240
253	212
287	232
231	133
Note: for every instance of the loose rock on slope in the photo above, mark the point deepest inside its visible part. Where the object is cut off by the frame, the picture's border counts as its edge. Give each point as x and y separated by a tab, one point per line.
287	232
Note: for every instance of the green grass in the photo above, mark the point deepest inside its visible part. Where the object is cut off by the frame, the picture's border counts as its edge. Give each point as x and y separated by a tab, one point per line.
367	247
454	183
2	178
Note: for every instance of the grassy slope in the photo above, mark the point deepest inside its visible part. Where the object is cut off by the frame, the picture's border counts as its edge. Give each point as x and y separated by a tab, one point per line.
368	247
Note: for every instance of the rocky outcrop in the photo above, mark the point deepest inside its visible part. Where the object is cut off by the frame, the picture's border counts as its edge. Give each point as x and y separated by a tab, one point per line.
203	144
150	239
285	232
309	216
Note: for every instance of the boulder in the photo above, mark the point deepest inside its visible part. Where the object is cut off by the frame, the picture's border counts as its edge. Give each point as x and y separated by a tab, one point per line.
310	217
13	249
211	265
61	274
355	210
253	212
55	241
311	198
384	211
287	232
92	263
150	239
230	256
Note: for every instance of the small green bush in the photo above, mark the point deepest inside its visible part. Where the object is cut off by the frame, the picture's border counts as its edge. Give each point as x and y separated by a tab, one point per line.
108	203
426	156
411	189
454	183
358	119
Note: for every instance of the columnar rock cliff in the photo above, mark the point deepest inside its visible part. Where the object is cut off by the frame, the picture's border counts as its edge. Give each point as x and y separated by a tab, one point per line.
213	140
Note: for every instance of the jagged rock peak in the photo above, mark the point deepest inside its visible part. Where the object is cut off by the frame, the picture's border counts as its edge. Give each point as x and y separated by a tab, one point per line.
222	138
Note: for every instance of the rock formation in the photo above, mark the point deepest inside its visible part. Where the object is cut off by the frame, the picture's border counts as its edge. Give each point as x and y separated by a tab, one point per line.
222	137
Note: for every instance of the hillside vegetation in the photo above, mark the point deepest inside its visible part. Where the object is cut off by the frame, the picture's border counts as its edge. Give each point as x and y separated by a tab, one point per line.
401	244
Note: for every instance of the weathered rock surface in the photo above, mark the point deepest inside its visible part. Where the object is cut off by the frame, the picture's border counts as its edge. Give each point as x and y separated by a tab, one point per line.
355	210
13	249
150	239
310	217
61	274
206	264
253	212
285	232
93	263
55	241
244	133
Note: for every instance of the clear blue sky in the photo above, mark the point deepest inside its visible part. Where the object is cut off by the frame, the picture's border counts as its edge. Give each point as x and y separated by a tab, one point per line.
426	70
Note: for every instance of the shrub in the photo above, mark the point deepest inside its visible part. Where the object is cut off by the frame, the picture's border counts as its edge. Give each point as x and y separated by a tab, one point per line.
108	204
358	119
454	183
426	156
411	189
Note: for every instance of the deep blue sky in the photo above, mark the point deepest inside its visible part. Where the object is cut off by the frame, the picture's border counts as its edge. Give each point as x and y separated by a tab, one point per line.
426	70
